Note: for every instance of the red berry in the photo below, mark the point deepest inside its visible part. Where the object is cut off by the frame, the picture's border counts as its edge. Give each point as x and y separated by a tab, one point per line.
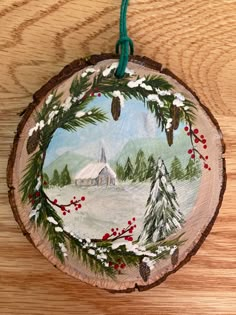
112	230
119	260
32	201
55	201
135	226
186	128
82	198
92	94
110	263
68	211
45	183
196	131
99	94
122	266
130	239
105	237
37	194
205	146
126	238
206	157
205	165
79	205
116	266
209	169
130	231
190	151
204	141
188	133
196	140
134	219
114	233
129	222
64	213
74	197
192	156
63	208
202	136
117	229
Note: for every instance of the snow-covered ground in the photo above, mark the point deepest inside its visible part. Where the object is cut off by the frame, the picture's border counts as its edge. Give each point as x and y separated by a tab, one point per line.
112	207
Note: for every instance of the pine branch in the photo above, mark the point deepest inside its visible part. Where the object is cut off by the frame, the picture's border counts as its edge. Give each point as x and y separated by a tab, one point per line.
89	260
46	211
55	101
29	180
80	85
96	116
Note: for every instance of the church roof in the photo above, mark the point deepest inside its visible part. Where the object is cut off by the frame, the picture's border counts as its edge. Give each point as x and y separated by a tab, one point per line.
92	171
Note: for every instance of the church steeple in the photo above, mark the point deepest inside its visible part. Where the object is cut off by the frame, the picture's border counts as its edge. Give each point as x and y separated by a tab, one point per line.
103	158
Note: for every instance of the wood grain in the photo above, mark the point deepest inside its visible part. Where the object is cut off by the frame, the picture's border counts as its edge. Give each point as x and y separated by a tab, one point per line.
195	40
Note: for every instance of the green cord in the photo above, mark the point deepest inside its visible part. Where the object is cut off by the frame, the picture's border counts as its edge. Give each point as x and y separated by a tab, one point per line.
125	45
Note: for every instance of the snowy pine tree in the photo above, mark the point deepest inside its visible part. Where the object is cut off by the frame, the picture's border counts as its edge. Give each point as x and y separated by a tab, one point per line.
55	181
162	216
151	167
192	170
176	169
140	167
65	178
128	170
120	171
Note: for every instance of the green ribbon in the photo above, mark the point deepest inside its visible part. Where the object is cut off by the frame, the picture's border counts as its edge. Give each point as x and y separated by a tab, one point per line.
125	45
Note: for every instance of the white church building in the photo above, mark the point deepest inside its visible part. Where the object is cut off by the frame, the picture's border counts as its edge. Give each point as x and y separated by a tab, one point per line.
96	173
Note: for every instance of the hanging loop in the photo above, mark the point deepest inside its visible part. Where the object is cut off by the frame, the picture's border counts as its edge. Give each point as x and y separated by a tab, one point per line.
124	45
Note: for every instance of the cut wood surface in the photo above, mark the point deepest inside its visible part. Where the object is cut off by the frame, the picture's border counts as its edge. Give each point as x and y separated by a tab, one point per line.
196	42
198	222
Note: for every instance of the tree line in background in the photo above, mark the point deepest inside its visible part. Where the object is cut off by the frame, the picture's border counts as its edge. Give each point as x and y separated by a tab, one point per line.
191	172
142	169
57	179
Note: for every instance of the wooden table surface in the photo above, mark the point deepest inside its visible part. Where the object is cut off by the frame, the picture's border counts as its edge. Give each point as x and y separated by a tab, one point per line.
195	40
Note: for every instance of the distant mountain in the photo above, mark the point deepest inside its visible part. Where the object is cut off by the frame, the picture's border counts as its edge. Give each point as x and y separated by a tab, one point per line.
74	161
156	146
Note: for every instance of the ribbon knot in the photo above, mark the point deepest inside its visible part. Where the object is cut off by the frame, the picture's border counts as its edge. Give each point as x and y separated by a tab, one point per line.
124	45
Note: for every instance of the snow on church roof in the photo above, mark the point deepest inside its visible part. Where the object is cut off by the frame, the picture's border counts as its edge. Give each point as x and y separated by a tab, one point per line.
92	171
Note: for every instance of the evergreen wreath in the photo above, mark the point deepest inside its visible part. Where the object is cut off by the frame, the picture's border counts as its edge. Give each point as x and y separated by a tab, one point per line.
103	256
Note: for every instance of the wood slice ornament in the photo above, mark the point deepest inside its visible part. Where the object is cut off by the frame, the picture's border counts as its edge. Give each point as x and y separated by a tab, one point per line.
117	173
117	202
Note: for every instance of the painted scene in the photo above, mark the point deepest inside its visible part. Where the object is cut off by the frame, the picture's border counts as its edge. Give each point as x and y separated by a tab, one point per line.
120	172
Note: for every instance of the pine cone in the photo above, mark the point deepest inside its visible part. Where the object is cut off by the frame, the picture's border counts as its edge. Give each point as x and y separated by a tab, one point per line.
115	108
170	136
33	142
144	271
175	257
175	111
